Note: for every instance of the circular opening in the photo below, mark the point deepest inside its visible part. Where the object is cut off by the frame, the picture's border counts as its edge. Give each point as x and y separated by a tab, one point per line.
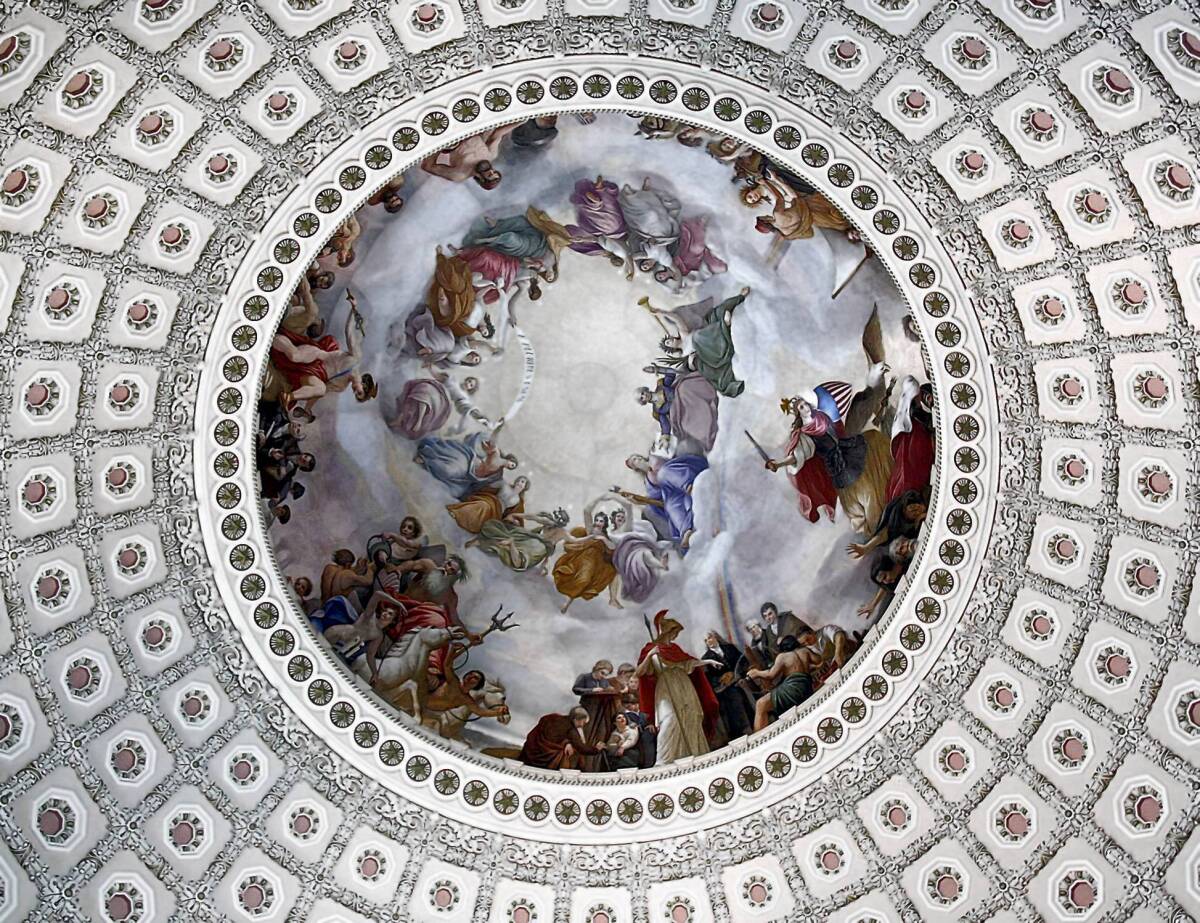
1159	483
221	50
183	833
680	914
442	897
242	770
974	49
7	47
50	822
1054	307
1073	749
15	181
252	897
956	760
897	816
1082	894
79	84
150	124
768	12
1117	80
37	394
1190	42
5	727
1020	230
117	476
96	207
128	557
1016	823
1004	697
1146	576
171	235
154	636
1065	548
426	12
277	102
1042	120
975	161
1117	665
520	915
218	164
369	867
348	51
58	298
830	860
301	824
758	893
192	706
138	312
1193	713
124	759
1133	293
118	907
119	393
78	678
1179	176
1155	386
846	50
34	492
915	100
1041	625
48	587
1076	468
1096	203
1149	809
947	887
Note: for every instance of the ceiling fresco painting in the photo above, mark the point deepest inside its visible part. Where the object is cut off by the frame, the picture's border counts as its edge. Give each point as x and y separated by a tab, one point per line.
599	461
541	411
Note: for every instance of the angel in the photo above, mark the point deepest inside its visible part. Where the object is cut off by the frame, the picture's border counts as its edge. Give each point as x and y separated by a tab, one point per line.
834	453
585	568
640	556
303	370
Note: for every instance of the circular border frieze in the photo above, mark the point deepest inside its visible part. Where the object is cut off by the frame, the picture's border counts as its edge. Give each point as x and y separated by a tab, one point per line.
509	797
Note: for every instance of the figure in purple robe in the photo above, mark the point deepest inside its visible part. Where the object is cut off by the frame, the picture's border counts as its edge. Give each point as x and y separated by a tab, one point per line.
423	407
685	405
694	262
639	556
601	223
668	497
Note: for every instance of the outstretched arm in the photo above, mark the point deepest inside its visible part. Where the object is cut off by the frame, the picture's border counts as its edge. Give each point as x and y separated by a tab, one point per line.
302	352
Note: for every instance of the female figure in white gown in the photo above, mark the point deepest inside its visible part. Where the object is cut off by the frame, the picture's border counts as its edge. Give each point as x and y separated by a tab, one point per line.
673	689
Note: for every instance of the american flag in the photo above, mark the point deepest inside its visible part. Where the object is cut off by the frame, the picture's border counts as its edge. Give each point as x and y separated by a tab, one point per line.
834	397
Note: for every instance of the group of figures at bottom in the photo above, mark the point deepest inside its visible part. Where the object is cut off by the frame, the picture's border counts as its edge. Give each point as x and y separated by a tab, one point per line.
671	704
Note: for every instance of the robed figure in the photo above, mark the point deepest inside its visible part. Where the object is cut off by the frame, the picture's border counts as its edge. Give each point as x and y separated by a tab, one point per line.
673	689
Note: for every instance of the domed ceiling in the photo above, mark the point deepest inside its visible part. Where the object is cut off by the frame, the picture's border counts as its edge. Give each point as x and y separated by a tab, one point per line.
599	461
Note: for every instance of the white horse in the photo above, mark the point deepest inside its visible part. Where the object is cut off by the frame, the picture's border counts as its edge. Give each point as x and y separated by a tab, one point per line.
405	669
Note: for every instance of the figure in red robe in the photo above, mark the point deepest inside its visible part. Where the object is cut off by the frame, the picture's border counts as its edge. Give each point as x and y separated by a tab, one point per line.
674	691
559	741
912	440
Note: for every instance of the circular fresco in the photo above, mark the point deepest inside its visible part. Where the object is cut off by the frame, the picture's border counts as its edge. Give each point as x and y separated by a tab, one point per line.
595	441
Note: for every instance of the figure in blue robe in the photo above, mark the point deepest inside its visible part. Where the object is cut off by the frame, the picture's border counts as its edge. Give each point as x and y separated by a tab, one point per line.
668	497
464	465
